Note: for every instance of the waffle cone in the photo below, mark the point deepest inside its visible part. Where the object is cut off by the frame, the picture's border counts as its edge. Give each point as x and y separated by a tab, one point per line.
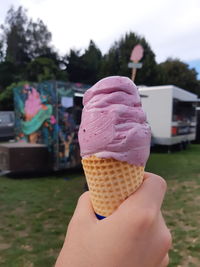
110	182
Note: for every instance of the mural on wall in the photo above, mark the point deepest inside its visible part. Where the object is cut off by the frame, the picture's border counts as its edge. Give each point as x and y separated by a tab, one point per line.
46	113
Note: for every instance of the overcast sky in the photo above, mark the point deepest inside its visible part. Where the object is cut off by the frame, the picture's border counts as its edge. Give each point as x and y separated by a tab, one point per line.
171	27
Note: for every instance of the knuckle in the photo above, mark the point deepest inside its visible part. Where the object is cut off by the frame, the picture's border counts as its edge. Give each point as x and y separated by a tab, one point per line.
159	181
76	216
165	262
163	184
82	197
167	240
72	224
147	218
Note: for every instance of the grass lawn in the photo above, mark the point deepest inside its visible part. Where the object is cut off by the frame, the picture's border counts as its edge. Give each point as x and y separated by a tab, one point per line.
34	212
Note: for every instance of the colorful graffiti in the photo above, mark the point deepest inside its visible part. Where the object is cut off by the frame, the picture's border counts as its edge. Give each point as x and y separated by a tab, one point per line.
46	114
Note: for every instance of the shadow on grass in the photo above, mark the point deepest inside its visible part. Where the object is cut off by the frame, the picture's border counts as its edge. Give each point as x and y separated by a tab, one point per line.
169	149
67	174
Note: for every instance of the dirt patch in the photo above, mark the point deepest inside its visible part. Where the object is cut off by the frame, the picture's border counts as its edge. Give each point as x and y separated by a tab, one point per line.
48	225
21	233
4	246
19	210
190	260
27	247
189	185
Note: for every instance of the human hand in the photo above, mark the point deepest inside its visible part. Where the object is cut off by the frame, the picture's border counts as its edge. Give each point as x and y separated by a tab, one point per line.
135	235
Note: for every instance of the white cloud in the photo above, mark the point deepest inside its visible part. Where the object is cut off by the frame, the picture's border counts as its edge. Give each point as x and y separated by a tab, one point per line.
5	5
171	27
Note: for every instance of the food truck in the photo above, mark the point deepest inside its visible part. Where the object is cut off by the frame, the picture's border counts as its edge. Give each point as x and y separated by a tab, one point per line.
171	113
48	115
47	118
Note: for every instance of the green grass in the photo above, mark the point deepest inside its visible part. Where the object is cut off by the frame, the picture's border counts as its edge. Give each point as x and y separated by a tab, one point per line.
34	216
181	207
34	213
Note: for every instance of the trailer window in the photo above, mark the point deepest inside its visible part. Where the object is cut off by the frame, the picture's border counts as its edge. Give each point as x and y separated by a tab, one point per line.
183	111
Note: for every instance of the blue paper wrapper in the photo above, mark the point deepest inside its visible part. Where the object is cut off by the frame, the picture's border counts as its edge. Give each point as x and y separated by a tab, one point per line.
100	217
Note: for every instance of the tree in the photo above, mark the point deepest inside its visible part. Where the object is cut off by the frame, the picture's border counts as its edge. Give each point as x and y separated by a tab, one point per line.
8	74
14	34
92	63
75	66
176	72
118	57
41	69
6	97
24	38
1	51
38	39
84	68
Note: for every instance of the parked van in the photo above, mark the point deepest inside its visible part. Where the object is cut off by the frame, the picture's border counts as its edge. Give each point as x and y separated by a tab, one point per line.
7	121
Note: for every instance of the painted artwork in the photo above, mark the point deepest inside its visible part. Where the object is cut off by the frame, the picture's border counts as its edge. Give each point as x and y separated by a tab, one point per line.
47	113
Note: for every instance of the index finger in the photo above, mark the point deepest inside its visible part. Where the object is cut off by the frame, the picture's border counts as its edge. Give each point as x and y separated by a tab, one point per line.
149	195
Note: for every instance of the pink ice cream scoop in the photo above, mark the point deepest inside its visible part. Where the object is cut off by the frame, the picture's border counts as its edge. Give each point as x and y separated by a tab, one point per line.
113	123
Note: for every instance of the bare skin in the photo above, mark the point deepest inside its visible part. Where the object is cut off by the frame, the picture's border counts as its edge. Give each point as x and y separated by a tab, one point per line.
135	235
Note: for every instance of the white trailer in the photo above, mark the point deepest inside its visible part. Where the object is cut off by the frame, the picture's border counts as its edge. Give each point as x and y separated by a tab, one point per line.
171	113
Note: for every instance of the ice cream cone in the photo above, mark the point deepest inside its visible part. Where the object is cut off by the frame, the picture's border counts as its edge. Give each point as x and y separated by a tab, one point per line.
110	182
114	139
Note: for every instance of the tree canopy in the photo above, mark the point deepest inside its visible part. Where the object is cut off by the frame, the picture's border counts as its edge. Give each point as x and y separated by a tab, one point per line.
116	61
26	54
23	38
178	73
84	67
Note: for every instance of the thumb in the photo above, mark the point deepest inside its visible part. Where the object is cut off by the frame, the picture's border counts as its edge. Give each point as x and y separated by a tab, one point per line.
84	210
